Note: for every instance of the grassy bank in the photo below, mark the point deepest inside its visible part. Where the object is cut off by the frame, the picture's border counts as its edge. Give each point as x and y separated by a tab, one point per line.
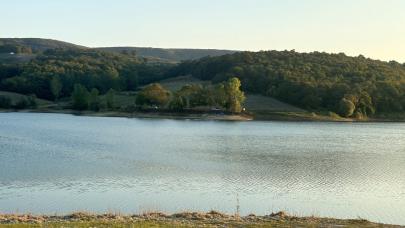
185	219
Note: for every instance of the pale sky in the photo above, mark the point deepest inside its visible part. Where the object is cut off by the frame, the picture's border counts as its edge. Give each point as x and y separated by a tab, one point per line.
374	28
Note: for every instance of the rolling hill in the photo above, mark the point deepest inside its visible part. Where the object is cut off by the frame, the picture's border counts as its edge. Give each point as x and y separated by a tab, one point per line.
38	45
169	55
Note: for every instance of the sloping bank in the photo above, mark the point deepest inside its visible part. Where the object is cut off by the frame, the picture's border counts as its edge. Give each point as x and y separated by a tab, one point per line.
185	219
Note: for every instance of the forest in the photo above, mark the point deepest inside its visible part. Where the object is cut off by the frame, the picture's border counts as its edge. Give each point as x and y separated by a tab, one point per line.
349	86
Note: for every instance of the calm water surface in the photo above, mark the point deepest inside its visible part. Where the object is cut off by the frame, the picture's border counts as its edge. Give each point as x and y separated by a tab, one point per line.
56	163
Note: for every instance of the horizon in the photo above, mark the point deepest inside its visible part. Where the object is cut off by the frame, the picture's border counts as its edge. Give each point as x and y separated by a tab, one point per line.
345	26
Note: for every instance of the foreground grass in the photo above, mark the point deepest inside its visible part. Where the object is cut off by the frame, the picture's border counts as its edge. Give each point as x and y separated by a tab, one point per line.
185	219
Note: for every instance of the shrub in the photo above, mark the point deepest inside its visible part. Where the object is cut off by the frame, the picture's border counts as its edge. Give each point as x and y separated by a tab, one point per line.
5	102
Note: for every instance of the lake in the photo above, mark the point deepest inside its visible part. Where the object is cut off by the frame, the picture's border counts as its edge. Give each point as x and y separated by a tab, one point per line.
57	163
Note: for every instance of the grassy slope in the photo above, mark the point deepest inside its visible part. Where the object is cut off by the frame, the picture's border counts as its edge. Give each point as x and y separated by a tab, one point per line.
15	97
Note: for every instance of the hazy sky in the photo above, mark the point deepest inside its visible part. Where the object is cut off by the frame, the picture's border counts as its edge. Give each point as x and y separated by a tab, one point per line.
374	28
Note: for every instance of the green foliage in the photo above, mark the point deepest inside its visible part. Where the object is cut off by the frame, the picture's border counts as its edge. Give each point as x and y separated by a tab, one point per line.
5	102
109	99
346	107
314	81
16	49
234	96
153	94
222	95
169	55
89	67
80	97
177	102
56	87
94	100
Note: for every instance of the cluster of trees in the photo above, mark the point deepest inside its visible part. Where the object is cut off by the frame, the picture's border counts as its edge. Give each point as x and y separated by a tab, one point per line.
82	99
349	86
88	67
17	49
22	103
225	95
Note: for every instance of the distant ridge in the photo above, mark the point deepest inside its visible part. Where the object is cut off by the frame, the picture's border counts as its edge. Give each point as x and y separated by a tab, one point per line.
158	54
38	44
170	54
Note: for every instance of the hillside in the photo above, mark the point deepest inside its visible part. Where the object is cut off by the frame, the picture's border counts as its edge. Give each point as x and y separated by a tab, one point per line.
37	44
350	86
25	49
169	55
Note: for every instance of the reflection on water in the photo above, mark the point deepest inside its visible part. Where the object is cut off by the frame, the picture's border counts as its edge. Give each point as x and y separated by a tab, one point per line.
61	163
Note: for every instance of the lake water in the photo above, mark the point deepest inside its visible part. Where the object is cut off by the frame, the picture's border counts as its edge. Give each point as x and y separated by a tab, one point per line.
56	163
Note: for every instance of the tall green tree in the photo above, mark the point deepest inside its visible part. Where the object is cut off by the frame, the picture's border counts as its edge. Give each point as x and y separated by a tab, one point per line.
56	87
94	100
109	97
153	94
80	97
235	97
346	108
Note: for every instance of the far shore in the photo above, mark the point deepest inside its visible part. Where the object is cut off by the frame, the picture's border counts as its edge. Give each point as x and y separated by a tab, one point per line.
269	116
183	219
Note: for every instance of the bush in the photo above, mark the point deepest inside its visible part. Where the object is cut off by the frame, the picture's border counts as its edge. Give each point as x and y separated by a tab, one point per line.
80	97
5	102
32	101
346	108
22	104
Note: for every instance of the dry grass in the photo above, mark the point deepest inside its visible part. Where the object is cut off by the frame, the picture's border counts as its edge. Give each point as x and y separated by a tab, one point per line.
183	219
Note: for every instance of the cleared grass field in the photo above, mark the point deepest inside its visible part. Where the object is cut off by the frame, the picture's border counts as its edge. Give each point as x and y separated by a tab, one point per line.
176	83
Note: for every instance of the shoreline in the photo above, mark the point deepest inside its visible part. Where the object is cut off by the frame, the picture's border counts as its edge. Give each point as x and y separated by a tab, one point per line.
182	219
275	116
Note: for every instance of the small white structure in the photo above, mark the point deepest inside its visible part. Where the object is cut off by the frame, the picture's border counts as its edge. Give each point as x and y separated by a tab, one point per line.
12	53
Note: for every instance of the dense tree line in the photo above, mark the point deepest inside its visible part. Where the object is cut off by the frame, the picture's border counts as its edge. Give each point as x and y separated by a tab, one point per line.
350	86
225	95
15	49
54	73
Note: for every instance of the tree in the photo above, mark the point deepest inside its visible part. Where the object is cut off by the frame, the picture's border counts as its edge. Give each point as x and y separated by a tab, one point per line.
94	100
153	94
235	97
80	97
5	102
56	87
346	107
177	103
109	98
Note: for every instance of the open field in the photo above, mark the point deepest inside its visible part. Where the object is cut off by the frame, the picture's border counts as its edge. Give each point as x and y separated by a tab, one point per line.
184	219
176	83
